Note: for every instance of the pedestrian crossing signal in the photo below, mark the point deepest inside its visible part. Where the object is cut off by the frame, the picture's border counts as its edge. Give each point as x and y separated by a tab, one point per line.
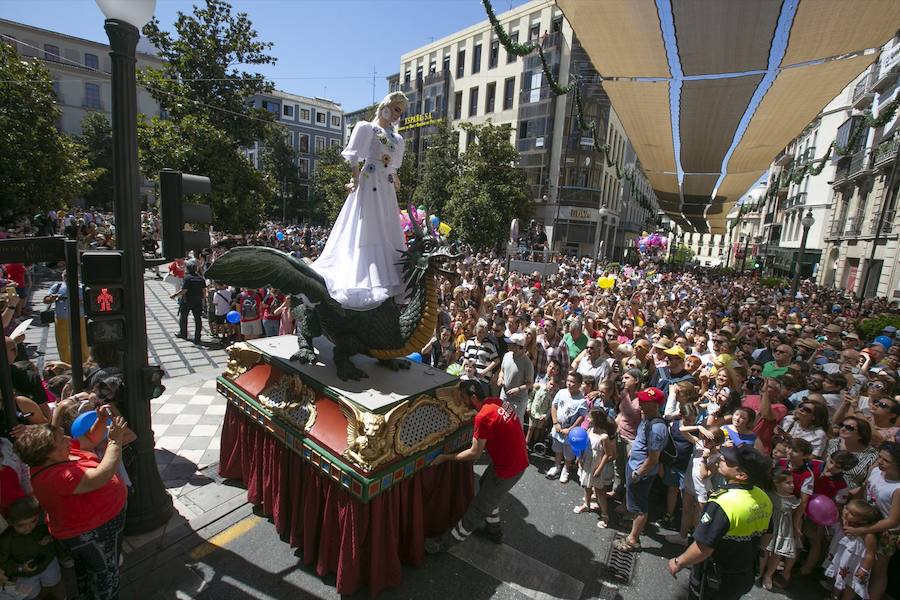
103	301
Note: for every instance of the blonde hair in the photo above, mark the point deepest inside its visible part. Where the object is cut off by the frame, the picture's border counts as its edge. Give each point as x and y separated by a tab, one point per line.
390	99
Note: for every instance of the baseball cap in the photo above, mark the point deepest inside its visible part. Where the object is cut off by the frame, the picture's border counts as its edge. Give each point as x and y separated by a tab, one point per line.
748	460
675	351
890	330
516	338
663	343
833	328
652	394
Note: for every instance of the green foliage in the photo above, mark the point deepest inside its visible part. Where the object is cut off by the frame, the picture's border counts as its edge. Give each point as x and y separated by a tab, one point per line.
240	193
96	139
490	190
440	169
200	76
408	173
682	254
279	160
326	189
613	267
773	282
40	168
871	327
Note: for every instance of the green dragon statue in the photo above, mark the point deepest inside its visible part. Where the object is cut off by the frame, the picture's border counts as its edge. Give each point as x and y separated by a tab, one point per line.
387	332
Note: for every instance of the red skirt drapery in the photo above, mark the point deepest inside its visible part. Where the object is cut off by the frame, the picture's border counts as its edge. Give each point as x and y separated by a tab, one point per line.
361	543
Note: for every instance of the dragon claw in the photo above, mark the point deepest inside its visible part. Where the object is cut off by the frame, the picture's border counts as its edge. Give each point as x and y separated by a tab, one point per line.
395	364
349	371
305	356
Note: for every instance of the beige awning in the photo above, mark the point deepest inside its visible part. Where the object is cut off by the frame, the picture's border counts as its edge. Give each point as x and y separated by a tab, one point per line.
726	96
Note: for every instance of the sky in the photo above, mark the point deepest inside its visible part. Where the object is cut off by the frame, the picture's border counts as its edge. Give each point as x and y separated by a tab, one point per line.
326	48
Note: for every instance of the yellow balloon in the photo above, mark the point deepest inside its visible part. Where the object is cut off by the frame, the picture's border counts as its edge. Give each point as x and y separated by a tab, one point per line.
606	282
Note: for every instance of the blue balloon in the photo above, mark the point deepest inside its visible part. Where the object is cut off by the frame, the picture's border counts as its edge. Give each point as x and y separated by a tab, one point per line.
83	423
415	357
884	341
435	221
578	439
279	236
233	317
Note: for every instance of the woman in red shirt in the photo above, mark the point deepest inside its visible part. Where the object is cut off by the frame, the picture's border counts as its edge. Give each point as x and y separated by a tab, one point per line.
84	501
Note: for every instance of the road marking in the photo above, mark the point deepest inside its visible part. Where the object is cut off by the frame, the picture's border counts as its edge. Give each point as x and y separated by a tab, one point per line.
518	570
224	537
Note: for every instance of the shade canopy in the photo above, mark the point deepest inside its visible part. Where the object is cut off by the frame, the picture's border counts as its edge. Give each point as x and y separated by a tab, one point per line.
710	91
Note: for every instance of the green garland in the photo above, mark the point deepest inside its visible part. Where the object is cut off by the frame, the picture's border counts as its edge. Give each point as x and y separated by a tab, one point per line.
521	50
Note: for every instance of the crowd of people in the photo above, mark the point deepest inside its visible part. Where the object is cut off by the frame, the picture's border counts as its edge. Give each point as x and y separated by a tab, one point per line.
692	386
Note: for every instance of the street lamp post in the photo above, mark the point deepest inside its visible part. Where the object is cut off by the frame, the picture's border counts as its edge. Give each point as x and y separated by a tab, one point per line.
807	222
602	217
149	506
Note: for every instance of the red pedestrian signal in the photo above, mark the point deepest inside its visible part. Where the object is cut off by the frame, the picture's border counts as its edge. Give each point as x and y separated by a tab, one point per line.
103	301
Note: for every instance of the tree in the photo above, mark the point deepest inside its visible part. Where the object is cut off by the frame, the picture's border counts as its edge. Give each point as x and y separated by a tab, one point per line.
440	169
40	168
280	163
199	76
96	139
490	190
326	189
208	121
240	193
408	173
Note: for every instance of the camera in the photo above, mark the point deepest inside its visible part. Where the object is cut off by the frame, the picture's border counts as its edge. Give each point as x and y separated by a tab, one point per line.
754	384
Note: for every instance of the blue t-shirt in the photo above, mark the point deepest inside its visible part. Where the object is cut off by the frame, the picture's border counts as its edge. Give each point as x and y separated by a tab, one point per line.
642	446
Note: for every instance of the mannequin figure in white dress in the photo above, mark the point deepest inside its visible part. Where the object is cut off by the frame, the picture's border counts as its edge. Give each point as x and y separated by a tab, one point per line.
360	261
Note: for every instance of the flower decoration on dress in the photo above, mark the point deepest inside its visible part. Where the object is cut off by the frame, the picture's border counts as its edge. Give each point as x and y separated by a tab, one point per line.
369	168
386	159
390	177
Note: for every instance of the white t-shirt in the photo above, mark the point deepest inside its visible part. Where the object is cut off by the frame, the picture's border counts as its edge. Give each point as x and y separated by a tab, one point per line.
816	437
222	300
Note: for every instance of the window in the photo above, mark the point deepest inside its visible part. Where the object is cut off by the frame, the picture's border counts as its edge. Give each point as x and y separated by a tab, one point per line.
272	107
320	144
320	118
457	105
461	63
251	157
523	130
406	76
445	67
91	61
51	52
335	121
509	90
494	54
556	25
429	104
304	114
302	142
418	72
335	143
510	57
432	66
473	101
534	32
288	111
476	59
56	89
491	96
303	168
92	95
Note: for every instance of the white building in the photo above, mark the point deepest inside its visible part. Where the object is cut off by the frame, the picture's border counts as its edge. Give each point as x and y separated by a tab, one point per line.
80	70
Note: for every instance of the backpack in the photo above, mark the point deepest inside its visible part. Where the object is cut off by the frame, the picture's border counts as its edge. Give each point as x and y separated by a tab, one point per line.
669	453
249	307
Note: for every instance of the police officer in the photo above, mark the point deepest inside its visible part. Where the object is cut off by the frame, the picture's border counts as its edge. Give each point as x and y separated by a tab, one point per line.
726	541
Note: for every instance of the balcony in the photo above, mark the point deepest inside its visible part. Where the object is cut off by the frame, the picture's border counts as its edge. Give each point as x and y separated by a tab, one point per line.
796	201
436	77
807	156
862	92
887	225
783	159
888	67
552	40
885	152
854	225
769	218
859	164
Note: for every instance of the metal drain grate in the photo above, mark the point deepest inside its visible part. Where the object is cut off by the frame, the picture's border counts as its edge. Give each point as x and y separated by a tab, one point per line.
620	565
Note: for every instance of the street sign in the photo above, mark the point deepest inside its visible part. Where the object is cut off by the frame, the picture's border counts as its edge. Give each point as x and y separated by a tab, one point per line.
32	250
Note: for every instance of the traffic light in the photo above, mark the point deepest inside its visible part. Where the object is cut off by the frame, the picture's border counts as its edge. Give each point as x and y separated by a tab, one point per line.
152	381
104	296
175	213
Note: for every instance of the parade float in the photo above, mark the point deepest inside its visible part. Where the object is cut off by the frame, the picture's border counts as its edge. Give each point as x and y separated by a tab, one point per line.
333	431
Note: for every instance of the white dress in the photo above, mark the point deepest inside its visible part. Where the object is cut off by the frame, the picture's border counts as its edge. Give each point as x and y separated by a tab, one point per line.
845	558
360	261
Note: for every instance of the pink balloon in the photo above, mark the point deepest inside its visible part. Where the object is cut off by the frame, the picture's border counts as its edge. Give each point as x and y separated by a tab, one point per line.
822	510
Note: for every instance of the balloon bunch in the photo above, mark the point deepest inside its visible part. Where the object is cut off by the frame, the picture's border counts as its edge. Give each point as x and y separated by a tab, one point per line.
435	222
653	243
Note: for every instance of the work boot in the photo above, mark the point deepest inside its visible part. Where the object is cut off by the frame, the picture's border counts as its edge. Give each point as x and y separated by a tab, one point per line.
492	532
441	543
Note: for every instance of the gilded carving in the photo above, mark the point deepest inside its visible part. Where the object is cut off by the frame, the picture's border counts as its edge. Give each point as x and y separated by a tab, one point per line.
292	401
241	357
370	436
435	436
455	403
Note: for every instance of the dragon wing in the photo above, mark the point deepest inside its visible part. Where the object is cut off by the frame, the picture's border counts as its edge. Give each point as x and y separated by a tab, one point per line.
258	266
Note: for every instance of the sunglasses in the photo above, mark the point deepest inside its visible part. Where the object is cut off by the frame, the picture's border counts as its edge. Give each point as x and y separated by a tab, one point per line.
804	408
847	427
881	404
756	370
876	385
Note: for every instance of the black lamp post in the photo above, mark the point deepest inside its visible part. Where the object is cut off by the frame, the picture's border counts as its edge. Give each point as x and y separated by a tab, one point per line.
149	506
807	222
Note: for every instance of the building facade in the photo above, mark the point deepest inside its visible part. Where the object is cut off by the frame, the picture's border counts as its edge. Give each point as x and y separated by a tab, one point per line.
311	125
80	70
468	77
862	251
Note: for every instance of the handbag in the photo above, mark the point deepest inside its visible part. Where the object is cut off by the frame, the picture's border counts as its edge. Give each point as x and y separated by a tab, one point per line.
48	316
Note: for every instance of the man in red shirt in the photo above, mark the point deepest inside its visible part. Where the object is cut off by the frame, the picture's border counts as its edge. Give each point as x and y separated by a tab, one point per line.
499	431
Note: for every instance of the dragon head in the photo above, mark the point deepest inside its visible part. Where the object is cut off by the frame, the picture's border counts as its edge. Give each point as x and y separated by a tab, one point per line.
426	255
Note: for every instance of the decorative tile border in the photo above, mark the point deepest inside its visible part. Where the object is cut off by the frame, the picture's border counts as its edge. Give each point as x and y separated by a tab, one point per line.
332	466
